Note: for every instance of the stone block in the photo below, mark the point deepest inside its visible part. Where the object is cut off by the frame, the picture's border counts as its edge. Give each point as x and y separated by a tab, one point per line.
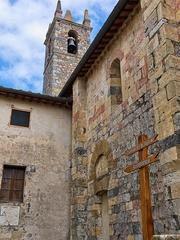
178	16
160	98
130	237
167	11
129	206
170	180
150	61
165	128
153	44
176	204
176	119
5	236
175	190
163	51
151	22
166	237
9	215
173	89
169	155
177	48
171	167
157	72
157	27
170	75
151	5
172	62
171	32
113	201
174	105
164	111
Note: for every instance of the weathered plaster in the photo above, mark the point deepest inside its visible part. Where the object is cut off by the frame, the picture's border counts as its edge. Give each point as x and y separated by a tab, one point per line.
44	149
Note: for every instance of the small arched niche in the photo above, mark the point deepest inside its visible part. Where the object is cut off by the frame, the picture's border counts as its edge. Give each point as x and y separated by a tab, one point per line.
72	42
115	91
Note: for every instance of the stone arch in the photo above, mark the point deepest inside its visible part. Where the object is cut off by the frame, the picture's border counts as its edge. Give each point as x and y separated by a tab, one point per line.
102	158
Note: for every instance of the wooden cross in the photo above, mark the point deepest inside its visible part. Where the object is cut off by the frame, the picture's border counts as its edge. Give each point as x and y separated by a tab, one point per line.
142	166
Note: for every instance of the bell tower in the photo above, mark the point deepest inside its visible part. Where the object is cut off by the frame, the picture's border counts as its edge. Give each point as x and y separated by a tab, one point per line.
66	42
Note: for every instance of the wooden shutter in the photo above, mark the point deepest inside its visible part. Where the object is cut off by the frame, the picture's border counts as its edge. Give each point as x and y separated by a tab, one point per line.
12	187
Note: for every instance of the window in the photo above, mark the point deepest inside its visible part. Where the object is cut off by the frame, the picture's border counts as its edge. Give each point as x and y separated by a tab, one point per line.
20	118
12	186
72	42
115	82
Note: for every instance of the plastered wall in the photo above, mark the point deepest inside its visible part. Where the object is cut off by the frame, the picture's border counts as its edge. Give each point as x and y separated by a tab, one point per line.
44	149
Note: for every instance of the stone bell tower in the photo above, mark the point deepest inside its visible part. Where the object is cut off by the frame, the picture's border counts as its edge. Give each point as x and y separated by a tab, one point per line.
66	42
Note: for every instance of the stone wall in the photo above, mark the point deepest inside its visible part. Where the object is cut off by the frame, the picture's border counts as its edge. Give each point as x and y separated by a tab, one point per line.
101	128
161	21
44	149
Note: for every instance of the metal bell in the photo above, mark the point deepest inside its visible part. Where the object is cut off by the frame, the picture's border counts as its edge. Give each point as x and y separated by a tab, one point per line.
72	48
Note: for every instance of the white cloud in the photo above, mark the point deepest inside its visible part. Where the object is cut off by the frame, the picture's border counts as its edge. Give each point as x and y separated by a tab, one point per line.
23	26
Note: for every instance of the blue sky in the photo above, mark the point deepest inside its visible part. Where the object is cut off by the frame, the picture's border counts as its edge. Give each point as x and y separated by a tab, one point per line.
23	26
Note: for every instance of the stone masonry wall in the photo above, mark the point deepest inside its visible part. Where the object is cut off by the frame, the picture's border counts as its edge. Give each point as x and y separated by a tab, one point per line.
44	149
60	64
98	126
162	32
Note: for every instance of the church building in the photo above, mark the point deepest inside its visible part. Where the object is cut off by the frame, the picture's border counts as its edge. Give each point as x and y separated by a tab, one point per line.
97	155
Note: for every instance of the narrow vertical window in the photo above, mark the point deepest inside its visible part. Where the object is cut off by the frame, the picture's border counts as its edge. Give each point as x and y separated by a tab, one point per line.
12	186
115	91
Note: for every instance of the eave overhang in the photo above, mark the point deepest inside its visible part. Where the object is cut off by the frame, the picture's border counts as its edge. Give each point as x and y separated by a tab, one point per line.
35	97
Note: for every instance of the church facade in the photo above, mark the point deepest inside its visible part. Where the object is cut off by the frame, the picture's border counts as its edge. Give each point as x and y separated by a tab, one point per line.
98	156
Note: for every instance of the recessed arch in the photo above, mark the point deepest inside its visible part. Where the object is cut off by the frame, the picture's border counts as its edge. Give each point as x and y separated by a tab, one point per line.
101	149
115	71
115	91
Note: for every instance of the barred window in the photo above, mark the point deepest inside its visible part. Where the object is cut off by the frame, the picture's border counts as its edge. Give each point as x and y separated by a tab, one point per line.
12	186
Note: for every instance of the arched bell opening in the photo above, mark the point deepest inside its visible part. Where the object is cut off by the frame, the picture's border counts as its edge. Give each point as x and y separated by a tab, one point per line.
72	43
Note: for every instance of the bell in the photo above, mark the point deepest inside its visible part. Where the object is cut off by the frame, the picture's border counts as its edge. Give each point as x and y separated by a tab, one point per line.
72	48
